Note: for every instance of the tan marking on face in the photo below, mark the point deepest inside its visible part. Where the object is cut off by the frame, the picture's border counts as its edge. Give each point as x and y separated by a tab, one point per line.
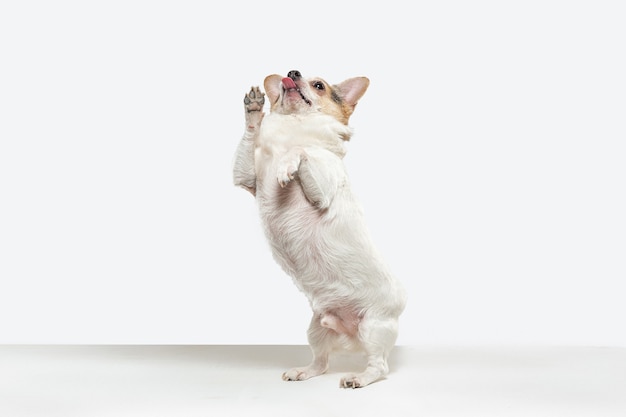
316	95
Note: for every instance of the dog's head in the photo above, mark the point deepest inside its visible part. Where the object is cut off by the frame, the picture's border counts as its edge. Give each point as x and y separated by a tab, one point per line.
296	95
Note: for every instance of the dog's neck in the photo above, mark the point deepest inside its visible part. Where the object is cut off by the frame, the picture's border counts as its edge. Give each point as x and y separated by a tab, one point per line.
303	130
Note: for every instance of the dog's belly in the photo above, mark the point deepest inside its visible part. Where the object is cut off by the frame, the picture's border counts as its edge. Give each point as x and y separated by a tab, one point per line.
328	253
297	233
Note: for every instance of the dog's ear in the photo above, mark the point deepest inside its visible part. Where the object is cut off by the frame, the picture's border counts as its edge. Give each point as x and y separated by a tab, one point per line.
352	89
272	86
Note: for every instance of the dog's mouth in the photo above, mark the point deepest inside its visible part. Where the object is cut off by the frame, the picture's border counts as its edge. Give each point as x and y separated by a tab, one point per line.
289	85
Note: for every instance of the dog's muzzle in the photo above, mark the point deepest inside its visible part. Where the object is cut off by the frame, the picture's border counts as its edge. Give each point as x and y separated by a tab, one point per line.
289	83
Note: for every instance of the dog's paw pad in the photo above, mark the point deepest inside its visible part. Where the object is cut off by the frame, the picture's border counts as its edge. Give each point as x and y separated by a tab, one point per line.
254	100
253	104
350	381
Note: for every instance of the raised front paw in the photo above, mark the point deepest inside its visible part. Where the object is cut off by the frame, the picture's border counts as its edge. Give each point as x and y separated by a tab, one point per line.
253	104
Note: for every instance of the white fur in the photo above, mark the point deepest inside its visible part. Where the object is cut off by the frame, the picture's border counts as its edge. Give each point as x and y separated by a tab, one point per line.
317	232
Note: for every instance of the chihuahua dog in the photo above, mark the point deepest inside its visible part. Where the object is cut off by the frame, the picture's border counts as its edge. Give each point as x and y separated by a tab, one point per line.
291	160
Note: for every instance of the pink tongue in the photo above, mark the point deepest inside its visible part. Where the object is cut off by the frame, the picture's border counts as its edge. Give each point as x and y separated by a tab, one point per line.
288	83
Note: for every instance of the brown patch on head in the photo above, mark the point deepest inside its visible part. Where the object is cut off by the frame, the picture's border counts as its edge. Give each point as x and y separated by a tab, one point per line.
340	100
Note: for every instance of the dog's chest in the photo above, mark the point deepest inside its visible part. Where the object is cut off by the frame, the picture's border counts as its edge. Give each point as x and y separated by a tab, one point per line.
280	134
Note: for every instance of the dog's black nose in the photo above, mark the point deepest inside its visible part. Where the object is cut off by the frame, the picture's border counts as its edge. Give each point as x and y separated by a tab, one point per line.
294	75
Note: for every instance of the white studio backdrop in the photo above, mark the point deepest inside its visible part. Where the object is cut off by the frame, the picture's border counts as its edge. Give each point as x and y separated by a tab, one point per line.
489	154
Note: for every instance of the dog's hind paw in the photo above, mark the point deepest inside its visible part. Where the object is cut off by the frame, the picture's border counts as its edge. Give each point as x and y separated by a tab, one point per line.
295	375
253	104
350	381
371	374
300	374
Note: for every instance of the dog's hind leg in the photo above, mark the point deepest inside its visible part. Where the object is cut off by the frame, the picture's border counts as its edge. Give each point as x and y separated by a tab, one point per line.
244	174
321	341
377	336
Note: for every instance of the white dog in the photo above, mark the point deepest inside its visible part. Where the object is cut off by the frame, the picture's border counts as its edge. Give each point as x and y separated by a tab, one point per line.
291	160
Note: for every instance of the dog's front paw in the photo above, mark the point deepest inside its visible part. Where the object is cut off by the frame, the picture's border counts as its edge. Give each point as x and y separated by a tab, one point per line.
288	169
253	104
286	175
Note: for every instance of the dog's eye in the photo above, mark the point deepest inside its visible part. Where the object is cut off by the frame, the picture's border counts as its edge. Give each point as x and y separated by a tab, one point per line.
319	85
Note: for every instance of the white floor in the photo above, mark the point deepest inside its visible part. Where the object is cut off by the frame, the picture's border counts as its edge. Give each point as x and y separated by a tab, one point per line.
220	381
